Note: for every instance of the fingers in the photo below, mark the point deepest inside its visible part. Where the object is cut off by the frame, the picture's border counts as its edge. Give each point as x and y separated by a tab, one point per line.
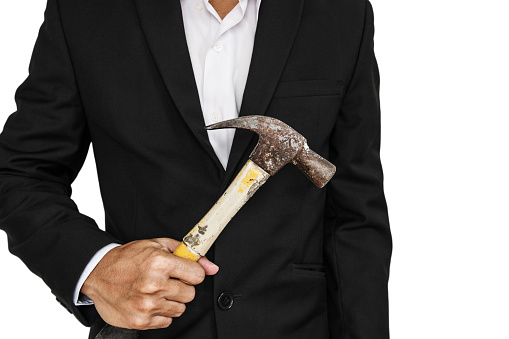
179	291
172	244
149	308
160	319
171	309
158	322
186	270
209	267
144	323
143	285
150	313
168	243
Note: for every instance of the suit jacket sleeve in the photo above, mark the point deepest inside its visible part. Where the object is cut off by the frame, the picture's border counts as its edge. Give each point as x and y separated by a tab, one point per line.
42	148
358	240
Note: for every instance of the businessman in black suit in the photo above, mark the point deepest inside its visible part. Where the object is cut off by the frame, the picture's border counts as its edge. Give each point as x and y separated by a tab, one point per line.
118	74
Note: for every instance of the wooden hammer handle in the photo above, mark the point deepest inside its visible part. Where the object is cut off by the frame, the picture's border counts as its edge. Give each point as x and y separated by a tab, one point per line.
199	240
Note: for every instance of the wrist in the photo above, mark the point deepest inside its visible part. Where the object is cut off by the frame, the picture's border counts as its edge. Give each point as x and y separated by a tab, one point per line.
86	289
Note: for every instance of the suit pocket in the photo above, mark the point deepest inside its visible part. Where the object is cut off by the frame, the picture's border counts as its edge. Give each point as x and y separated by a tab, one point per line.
314	270
306	88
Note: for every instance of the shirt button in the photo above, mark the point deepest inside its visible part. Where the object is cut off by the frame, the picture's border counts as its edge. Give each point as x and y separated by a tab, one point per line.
225	301
218	47
198	7
216	116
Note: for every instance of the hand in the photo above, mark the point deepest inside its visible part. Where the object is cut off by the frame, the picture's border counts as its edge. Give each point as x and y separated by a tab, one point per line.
142	285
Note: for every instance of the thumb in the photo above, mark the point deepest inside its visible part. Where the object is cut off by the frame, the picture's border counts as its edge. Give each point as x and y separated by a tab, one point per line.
209	267
172	244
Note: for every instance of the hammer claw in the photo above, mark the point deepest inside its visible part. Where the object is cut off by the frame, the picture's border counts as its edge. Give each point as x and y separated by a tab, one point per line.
250	122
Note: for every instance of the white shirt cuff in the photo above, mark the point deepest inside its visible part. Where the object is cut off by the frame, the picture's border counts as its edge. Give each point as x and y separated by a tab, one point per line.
81	299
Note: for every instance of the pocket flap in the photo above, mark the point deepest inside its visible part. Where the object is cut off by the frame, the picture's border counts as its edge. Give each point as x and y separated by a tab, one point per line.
303	88
309	269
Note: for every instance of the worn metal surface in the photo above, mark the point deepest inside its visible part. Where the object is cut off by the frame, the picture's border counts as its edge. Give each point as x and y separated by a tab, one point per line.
316	168
278	145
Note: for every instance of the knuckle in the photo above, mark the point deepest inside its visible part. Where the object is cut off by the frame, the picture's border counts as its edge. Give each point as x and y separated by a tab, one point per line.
172	288
187	294
167	322
199	275
145	306
179	310
149	287
140	322
159	262
191	295
178	290
194	274
172	262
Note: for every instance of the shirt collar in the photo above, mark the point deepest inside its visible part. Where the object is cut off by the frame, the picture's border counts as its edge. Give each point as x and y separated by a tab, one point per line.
243	6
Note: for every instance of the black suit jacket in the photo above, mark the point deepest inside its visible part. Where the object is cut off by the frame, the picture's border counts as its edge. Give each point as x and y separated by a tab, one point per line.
300	262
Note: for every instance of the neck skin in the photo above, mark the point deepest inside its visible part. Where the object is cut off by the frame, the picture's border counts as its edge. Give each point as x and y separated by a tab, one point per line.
223	7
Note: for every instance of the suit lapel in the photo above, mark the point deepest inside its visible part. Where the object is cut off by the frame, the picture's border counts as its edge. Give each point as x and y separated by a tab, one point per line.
163	26
278	22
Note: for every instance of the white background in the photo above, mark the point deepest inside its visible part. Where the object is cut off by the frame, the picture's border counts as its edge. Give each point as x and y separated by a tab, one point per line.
445	139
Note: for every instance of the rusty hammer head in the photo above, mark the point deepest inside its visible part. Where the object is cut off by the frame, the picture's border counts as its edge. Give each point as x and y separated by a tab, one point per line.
280	144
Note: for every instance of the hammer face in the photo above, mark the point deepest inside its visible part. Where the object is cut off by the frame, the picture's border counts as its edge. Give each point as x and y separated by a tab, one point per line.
271	154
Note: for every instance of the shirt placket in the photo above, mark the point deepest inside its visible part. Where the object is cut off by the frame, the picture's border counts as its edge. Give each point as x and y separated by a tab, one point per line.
219	101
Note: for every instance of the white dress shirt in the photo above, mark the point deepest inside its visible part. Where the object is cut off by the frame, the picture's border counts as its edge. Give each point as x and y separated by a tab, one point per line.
220	52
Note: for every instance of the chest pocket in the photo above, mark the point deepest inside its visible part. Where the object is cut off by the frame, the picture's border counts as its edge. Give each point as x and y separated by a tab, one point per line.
308	88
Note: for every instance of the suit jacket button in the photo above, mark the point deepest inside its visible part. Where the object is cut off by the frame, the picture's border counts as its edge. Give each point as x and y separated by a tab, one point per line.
225	301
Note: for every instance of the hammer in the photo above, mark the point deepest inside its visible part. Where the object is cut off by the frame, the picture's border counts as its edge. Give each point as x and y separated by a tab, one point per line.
278	145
